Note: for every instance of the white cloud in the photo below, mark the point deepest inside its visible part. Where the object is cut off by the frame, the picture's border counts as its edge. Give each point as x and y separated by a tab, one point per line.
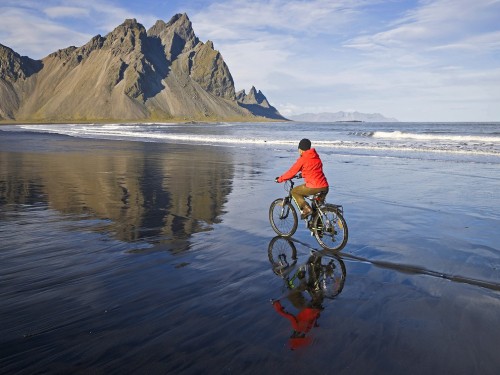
483	43
29	34
59	11
250	68
241	18
435	23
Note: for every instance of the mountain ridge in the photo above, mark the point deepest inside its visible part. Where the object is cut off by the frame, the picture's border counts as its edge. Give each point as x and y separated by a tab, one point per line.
131	74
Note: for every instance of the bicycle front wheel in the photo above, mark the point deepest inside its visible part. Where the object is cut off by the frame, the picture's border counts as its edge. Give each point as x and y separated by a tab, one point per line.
330	228
283	217
282	255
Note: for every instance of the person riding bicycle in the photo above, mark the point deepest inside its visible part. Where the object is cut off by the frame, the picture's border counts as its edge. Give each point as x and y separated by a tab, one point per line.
309	163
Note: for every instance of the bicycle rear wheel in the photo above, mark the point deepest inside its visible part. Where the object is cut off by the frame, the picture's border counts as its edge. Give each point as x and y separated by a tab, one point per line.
283	217
333	276
330	228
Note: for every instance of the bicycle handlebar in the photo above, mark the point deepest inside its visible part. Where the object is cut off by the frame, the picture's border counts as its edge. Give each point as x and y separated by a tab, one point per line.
297	177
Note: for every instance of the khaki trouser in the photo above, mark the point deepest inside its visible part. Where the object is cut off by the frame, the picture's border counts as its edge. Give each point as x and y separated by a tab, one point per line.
301	191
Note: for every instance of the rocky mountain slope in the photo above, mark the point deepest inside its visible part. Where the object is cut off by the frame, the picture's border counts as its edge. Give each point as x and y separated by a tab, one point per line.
162	74
341	116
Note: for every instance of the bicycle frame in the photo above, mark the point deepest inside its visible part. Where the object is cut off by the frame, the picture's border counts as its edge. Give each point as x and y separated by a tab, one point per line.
313	199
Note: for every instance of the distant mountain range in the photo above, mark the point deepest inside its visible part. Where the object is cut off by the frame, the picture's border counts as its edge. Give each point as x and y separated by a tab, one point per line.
165	73
341	117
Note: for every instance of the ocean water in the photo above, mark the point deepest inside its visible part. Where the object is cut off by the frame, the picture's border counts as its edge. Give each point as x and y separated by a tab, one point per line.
476	142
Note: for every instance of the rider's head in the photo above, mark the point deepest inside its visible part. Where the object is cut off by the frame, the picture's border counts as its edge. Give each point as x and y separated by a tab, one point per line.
304	144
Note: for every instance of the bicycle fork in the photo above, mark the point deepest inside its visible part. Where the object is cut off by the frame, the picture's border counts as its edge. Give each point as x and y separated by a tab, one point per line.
285	208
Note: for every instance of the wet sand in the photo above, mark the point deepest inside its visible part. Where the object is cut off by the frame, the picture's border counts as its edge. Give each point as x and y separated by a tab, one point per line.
128	257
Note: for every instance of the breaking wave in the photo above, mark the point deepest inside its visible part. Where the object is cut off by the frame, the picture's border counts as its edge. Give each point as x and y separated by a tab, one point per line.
436	137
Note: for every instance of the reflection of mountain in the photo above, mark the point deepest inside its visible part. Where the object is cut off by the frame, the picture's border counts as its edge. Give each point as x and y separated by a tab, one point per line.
144	190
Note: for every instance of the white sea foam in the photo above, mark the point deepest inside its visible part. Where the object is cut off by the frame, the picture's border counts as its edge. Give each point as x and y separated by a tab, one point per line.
436	137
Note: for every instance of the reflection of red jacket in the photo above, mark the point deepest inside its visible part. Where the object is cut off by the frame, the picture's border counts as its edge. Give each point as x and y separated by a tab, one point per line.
304	320
311	167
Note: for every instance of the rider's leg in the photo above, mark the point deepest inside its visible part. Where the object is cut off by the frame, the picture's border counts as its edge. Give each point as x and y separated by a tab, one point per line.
298	195
301	191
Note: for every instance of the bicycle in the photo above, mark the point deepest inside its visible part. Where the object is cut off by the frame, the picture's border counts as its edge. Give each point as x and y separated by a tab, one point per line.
326	222
322	275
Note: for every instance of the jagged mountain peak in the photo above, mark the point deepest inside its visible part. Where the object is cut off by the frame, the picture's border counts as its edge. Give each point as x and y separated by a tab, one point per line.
14	66
254	97
4	50
256	101
126	38
132	23
177	36
179	24
127	27
181	18
95	43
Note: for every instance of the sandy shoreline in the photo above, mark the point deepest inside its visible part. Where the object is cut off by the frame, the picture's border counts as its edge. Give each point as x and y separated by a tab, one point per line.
141	257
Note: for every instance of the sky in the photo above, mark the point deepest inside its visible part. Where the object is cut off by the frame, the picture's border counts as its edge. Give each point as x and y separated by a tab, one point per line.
428	60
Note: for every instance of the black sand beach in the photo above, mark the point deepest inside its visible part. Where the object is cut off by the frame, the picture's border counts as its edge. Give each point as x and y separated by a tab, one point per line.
152	258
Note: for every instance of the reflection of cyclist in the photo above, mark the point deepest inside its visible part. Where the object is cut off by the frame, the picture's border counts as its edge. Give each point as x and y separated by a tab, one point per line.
309	311
309	163
301	323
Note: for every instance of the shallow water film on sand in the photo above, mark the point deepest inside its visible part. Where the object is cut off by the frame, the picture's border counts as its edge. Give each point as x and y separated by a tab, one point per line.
148	249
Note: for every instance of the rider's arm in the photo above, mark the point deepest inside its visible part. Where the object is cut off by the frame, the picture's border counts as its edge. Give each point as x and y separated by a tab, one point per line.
279	308
296	168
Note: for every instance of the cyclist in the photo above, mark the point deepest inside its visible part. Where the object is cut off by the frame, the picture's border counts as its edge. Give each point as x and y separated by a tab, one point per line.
309	163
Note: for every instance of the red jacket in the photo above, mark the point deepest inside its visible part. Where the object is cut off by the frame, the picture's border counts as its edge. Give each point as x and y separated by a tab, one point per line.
311	167
305	319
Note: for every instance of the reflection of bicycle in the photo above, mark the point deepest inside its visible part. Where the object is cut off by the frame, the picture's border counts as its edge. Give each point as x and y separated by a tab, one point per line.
326	222
306	287
322	276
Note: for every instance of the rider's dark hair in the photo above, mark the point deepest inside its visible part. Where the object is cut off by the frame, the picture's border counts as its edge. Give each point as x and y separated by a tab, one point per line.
305	144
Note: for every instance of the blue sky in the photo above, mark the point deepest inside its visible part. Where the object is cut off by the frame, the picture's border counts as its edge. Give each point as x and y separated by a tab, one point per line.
429	60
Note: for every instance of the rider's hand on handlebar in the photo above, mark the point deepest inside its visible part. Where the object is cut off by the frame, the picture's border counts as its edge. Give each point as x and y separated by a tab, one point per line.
276	180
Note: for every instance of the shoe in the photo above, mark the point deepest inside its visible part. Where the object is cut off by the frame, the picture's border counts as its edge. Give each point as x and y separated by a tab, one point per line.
306	211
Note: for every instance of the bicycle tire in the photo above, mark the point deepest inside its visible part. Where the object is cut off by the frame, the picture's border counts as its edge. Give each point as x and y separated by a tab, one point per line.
282	254
283	217
333	276
335	236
